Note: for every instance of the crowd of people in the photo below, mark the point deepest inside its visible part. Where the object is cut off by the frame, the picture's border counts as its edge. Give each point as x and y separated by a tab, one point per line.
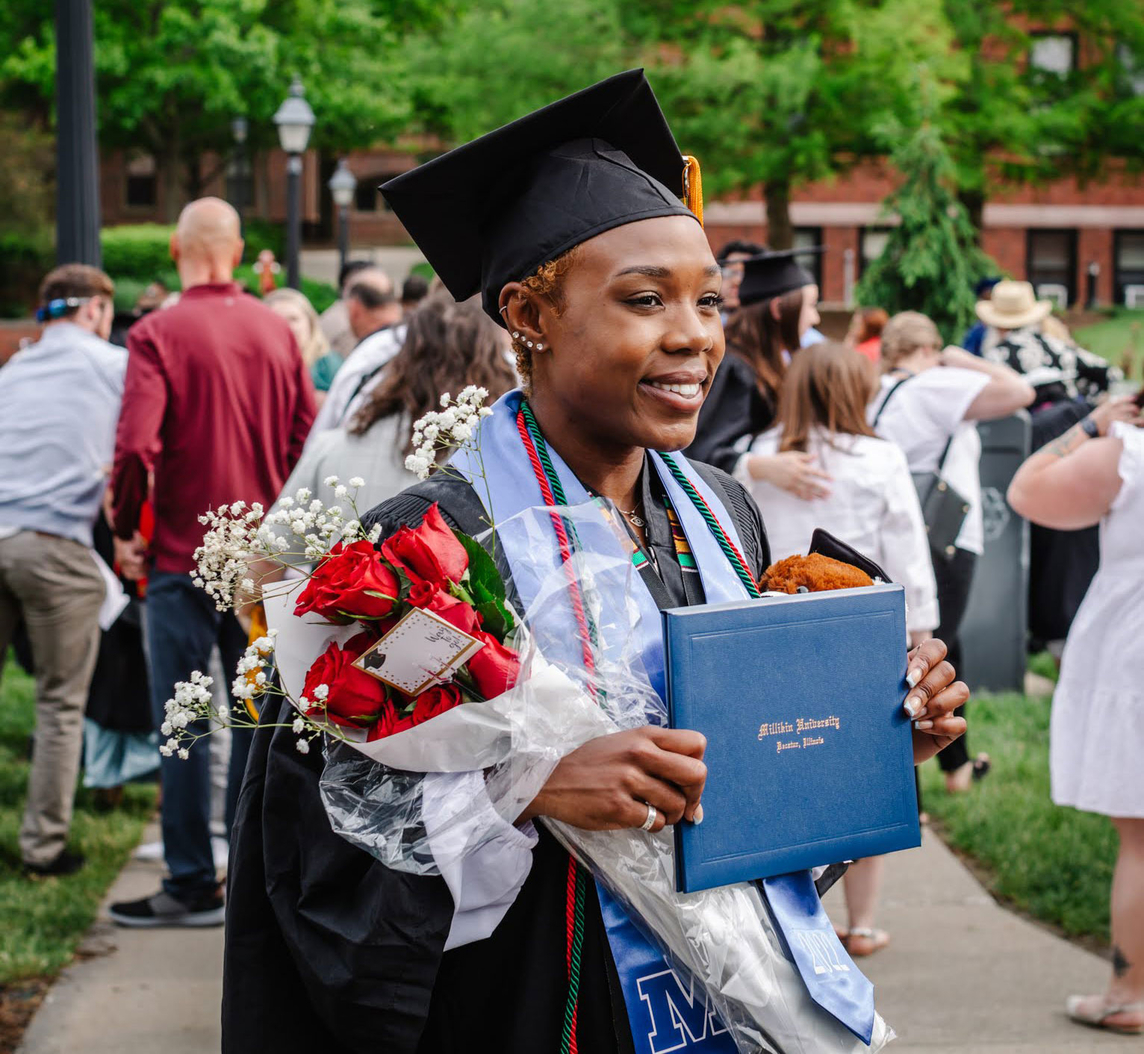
108	455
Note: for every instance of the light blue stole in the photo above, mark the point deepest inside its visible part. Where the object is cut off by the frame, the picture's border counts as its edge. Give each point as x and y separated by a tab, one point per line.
664	1013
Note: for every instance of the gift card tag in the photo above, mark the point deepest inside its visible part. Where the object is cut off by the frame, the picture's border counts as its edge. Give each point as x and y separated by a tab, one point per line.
420	651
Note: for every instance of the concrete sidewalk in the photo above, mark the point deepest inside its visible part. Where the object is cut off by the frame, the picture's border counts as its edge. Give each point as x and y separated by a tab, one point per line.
962	975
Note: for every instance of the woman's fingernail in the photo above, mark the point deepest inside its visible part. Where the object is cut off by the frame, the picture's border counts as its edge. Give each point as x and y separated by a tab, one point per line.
913	705
914	676
921	726
698	817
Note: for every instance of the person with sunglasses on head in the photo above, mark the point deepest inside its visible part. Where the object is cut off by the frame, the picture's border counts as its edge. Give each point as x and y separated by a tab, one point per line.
59	404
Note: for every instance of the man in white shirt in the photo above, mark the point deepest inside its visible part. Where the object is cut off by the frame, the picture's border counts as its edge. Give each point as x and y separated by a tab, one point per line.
374	314
59	404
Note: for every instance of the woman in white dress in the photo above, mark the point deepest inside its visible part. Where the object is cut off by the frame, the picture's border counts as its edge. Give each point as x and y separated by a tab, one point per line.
872	506
1095	473
930	402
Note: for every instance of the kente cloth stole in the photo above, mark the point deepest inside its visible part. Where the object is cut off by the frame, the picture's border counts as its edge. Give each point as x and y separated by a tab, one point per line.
522	473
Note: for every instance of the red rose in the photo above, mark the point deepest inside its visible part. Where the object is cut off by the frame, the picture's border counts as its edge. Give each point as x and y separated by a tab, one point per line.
456	612
431	553
351	583
494	668
434	701
355	698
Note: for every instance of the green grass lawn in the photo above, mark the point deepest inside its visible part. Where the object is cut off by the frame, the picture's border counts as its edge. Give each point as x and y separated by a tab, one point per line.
1054	863
45	919
1124	330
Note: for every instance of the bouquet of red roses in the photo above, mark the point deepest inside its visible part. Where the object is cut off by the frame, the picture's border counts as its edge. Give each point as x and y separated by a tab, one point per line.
429	568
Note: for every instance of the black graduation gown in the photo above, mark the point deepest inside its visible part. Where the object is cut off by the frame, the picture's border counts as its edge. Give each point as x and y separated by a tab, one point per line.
734	410
329	950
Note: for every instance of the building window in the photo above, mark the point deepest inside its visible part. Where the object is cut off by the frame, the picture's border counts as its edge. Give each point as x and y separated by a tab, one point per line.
1050	265
1131	70
873	241
808	238
142	188
1128	267
239	183
367	198
1053	53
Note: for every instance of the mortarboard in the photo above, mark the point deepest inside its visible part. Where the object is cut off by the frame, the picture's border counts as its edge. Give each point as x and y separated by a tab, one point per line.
771	274
494	210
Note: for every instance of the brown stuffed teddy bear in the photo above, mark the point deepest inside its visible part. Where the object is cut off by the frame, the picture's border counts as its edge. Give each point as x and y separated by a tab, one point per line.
814	573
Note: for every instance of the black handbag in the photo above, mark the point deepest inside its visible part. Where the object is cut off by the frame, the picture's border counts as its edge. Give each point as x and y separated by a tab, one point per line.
944	507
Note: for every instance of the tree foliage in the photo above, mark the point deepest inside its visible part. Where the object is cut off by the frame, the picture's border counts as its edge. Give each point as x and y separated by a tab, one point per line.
172	74
931	258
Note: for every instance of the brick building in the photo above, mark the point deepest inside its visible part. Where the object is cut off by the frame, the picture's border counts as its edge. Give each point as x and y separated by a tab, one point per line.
1073	243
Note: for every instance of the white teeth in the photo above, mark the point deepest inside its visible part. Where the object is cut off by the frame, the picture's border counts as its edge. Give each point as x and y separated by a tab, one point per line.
688	391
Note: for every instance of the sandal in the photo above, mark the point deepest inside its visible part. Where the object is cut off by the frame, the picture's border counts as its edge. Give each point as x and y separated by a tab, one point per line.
861	941
1099	1017
981	766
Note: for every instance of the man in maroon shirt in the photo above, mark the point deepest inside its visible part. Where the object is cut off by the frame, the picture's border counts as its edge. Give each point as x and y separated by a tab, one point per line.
216	407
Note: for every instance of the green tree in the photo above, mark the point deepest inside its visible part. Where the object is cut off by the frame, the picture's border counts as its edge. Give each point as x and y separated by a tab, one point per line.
931	258
172	74
504	59
780	93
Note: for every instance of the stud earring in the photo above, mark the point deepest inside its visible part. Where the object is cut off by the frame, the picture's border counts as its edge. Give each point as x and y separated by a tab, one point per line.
539	347
515	335
529	343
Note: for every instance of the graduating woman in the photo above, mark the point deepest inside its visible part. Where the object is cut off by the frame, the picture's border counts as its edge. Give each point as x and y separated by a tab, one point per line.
570	225
779	306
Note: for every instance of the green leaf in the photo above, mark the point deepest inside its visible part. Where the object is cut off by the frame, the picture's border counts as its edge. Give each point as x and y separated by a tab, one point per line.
482	570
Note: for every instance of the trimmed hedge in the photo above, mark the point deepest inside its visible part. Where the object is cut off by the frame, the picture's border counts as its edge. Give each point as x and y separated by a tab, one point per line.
143	250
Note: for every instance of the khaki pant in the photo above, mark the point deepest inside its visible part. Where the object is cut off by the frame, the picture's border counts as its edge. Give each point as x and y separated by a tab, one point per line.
54	584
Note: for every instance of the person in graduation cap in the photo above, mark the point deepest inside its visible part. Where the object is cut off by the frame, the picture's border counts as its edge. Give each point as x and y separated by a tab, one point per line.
779	301
569	224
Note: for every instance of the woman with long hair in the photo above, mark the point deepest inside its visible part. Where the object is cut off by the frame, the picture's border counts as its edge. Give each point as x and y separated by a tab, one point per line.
447	346
779	302
872	506
569	222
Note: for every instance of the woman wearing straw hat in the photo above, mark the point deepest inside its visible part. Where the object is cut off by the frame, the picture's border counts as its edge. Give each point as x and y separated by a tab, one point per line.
1057	369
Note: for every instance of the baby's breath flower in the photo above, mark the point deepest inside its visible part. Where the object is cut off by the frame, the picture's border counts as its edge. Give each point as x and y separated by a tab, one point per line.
299	725
357	481
302	746
330	481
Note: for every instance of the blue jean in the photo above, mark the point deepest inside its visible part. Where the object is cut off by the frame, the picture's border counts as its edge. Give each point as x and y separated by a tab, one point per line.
182	628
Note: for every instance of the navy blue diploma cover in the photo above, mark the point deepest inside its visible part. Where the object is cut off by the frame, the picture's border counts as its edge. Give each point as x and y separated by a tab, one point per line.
809	752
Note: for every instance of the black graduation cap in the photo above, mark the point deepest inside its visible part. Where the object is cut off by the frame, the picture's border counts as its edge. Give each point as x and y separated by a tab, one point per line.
494	210
771	274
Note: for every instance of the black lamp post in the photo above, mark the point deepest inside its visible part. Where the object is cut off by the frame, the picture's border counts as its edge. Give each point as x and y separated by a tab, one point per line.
342	186
77	159
294	119
239	129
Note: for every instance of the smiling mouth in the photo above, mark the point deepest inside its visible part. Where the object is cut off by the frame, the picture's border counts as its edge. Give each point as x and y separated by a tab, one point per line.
688	391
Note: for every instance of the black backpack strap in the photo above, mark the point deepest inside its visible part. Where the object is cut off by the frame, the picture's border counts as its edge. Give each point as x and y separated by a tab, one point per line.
889	396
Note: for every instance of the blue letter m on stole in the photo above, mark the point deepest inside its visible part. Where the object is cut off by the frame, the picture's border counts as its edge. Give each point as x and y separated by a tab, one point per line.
679	1020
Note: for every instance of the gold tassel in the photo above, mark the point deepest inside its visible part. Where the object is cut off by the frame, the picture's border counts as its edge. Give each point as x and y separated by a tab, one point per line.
693	186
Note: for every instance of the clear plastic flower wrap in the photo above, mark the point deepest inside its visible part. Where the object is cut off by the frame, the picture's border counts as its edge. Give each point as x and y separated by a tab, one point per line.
425	798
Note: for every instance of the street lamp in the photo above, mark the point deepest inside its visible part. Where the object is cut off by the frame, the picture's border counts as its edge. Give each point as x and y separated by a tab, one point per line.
239	128
342	186
294	119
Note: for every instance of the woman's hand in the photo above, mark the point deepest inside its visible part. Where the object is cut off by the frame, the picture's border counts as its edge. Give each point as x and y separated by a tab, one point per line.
933	696
609	782
793	472
1116	408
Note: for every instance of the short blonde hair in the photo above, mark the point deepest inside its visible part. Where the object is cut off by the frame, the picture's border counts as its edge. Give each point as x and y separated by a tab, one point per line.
318	344
904	334
547	282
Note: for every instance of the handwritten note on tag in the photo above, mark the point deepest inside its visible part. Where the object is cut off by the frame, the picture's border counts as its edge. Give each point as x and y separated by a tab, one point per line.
420	651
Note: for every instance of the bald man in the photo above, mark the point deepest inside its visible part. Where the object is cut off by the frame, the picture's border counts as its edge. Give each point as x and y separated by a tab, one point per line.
216	407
